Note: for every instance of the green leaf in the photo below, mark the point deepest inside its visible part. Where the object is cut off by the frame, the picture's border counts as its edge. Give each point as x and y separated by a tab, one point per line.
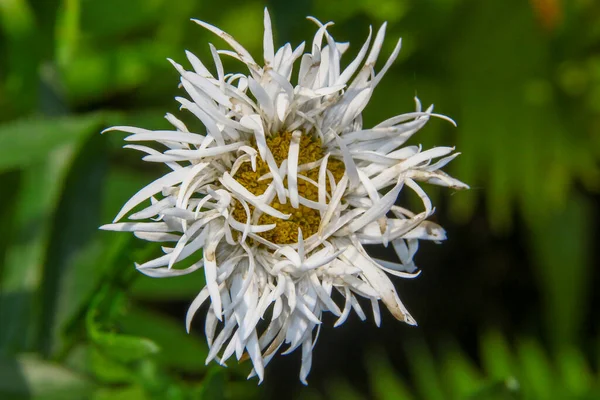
183	288
384	382
563	267
133	392
107	370
29	377
536	376
20	68
75	261
213	385
41	185
178	349
125	348
9	204
27	141
67	31
501	390
170	28
506	156
101	21
240	389
496	356
341	389
575	372
423	370
121	348
16	17
461	377
96	73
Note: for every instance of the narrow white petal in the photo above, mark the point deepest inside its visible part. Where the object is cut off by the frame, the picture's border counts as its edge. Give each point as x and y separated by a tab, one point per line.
170	272
197	65
157	236
240	191
376	311
255	356
138	227
266	102
426	155
378	279
427	231
347	307
349	163
378	209
307	346
210	271
228	38
334	203
251	228
155	187
169	136
268	52
353	66
323	296
150	151
357	308
221	338
377	45
195	306
292	166
437	178
388	63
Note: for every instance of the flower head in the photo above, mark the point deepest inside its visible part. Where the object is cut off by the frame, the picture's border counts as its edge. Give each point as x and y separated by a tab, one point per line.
277	196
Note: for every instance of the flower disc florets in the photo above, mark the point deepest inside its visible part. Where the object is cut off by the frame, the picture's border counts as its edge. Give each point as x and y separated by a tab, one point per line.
302	218
277	197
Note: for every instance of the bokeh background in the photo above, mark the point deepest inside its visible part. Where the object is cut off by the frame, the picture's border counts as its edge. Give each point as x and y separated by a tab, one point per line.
506	306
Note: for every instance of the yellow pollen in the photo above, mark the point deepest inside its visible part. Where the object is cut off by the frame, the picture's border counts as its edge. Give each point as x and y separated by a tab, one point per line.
305	218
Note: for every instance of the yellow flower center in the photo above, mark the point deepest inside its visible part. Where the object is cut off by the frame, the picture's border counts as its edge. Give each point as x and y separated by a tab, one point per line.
305	218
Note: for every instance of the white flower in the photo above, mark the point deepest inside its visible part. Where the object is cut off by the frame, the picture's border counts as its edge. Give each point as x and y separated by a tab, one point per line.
281	191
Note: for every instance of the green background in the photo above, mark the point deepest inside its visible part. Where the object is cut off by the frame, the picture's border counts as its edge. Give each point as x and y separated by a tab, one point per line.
506	306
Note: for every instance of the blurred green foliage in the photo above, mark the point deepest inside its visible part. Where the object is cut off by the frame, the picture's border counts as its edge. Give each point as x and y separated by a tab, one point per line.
77	321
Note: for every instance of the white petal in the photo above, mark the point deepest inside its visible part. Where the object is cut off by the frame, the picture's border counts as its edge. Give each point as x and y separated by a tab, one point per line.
169	136
210	271
347	307
349	164
388	63
157	236
197	65
268	52
307	346
427	231
376	312
150	151
266	102
195	306
240	191
137	226
437	178
229	39
155	187
378	279
255	356
378	209
323	296
353	66
170	272
293	153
